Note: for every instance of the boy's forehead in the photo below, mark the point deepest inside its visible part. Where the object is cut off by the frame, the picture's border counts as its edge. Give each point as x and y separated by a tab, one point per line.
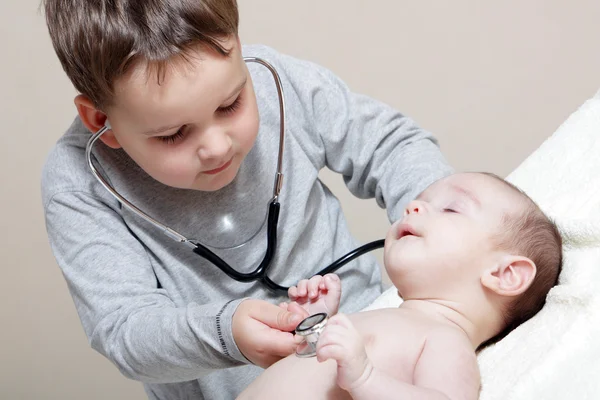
203	72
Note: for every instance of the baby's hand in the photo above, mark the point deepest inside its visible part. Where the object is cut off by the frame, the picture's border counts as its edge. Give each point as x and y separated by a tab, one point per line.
317	294
341	341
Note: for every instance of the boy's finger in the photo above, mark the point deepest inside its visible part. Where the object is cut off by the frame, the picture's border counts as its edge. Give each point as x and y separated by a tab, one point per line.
274	346
296	308
279	344
276	317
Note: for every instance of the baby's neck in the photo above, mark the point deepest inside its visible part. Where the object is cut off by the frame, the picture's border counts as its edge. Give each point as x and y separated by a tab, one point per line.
478	328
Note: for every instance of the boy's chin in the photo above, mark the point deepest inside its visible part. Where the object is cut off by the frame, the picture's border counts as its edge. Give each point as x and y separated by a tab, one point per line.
212	186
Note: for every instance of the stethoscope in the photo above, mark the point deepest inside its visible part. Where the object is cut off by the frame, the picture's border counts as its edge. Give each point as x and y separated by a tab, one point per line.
260	273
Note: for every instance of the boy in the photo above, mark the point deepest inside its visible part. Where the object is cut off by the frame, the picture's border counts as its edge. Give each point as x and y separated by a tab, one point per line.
187	146
473	258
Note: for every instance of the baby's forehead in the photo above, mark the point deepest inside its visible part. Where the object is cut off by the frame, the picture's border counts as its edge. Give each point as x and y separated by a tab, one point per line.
485	189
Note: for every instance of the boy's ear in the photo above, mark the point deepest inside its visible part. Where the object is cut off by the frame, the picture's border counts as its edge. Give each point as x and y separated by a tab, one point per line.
511	277
94	120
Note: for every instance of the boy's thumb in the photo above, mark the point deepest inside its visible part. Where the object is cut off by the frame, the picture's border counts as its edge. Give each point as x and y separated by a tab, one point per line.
288	321
277	318
294	319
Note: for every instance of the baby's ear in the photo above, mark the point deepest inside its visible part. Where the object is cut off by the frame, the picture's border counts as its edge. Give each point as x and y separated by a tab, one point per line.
510	277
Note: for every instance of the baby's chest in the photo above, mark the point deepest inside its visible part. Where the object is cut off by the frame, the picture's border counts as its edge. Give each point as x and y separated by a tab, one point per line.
393	346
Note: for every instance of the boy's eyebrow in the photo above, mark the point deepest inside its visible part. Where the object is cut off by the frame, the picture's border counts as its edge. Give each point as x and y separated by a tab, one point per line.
160	130
237	89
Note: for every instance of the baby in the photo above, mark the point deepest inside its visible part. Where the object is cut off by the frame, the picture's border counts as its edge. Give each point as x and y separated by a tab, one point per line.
472	258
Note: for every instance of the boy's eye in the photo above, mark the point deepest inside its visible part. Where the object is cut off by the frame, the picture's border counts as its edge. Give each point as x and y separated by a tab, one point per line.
172	138
230	109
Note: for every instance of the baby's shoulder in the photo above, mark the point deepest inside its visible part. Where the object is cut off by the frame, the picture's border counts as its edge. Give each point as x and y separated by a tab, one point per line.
451	348
448	363
448	336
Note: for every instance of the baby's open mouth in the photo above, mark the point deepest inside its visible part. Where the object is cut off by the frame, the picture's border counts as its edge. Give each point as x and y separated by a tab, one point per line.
405	230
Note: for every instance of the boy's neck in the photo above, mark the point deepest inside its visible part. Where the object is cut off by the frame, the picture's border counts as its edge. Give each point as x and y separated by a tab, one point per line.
479	325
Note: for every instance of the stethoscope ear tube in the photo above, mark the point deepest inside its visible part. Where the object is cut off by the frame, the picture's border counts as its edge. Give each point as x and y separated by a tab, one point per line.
260	272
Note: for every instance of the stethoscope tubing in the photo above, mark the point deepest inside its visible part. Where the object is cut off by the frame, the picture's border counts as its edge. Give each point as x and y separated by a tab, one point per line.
260	272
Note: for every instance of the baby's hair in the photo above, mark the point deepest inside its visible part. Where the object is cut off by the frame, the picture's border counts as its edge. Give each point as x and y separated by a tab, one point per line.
529	233
97	42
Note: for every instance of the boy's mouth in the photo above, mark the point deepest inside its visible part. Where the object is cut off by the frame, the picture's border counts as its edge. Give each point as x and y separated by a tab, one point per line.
221	168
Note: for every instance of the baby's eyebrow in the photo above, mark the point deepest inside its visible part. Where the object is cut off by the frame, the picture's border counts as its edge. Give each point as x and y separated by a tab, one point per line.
468	194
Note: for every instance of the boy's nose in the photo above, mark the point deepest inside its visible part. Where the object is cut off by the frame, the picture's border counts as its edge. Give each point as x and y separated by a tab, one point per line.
215	145
414	207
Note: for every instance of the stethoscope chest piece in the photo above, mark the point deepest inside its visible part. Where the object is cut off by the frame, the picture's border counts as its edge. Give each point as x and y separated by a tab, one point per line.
310	329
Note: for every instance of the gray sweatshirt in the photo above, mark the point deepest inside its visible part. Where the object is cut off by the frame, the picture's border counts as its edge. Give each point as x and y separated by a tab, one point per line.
161	313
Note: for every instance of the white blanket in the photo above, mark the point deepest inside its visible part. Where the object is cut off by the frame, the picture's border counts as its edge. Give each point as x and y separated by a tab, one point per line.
556	354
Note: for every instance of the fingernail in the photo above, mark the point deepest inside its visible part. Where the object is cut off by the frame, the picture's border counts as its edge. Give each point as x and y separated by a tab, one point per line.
294	319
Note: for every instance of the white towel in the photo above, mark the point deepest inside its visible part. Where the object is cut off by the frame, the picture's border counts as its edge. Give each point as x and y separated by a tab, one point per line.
556	354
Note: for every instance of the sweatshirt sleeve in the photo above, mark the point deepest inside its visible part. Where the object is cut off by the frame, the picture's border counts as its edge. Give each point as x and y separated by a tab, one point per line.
124	313
380	152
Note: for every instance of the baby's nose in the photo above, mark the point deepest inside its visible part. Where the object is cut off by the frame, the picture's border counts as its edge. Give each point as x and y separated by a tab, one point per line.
414	207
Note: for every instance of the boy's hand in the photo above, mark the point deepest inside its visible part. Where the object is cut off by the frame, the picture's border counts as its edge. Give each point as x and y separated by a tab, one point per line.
262	331
316	295
341	341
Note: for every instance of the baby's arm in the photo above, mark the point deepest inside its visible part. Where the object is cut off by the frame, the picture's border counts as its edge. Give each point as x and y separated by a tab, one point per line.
446	370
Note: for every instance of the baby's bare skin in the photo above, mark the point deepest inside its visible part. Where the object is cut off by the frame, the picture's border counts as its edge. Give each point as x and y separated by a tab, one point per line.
398	344
456	281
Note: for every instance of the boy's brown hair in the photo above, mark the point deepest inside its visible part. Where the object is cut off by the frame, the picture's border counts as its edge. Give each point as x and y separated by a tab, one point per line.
98	41
529	233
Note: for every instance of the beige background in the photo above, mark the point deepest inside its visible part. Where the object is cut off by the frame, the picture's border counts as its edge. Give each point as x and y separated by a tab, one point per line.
490	79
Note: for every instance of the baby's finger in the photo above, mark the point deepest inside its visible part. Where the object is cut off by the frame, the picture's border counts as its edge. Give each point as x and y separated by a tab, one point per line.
340	320
293	293
334	351
332	335
283	305
313	286
303	288
332	282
